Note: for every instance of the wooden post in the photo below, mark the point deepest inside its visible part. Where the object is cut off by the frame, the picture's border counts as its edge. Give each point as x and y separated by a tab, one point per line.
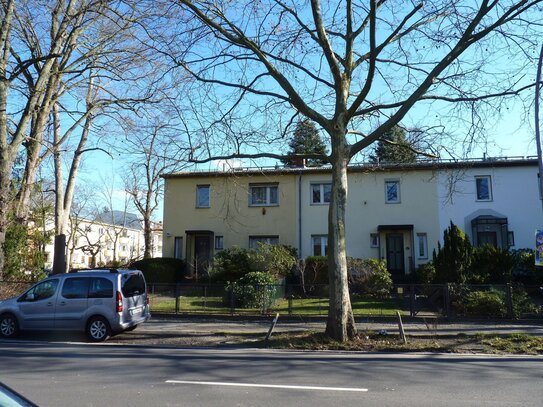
400	327
272	326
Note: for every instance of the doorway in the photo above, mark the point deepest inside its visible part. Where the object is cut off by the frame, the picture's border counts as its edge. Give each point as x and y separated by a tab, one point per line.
395	254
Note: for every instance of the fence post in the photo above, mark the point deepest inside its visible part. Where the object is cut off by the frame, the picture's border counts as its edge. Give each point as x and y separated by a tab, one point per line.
446	301
177	293
509	299
412	302
232	299
205	296
290	304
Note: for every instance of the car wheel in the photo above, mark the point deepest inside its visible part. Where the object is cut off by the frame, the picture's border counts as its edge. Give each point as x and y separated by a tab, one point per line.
98	329
9	327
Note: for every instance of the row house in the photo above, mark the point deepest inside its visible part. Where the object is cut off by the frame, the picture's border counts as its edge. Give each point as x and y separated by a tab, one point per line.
394	212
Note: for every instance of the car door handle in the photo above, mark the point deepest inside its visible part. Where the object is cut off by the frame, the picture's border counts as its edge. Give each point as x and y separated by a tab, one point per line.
49	304
62	303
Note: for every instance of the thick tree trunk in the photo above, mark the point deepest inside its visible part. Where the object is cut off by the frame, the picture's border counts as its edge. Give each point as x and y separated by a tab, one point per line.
340	325
5	171
147	238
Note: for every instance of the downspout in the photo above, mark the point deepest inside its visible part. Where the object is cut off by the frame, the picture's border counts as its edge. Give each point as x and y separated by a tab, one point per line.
300	216
537	131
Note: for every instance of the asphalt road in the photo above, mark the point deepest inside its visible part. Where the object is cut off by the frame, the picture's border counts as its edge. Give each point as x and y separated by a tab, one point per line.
68	374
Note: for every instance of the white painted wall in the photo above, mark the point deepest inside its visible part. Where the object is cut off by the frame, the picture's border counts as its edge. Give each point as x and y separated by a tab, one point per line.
514	196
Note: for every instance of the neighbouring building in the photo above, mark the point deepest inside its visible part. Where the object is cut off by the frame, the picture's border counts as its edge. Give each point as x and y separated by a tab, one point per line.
394	212
115	236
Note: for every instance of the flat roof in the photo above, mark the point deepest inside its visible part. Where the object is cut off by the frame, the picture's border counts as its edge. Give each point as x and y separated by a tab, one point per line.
365	167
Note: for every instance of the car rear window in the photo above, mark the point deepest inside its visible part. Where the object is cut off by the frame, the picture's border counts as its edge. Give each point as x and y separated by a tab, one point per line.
100	288
134	285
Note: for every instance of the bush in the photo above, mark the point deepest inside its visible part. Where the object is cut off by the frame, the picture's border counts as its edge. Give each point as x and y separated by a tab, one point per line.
524	268
254	290
522	303
452	261
163	270
230	265
426	273
370	276
485	303
315	270
490	264
277	260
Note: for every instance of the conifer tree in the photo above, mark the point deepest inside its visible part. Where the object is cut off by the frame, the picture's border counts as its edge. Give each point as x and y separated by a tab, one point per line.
306	140
393	147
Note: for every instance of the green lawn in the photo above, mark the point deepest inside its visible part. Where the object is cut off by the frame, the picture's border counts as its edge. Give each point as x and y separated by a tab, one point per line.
300	306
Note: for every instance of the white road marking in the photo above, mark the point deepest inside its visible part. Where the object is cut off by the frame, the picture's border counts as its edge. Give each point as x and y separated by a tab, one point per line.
270	386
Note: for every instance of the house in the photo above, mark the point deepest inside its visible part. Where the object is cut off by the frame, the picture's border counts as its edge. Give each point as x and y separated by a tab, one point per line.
111	236
394	212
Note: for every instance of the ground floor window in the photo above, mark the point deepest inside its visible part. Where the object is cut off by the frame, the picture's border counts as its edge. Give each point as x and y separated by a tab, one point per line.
255	240
320	245
178	248
422	246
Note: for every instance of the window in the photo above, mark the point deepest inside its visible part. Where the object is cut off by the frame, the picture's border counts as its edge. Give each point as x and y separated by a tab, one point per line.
484	188
100	288
320	193
263	195
320	245
374	239
255	240
510	239
202	196
422	246
134	285
75	287
219	242
42	291
392	191
178	248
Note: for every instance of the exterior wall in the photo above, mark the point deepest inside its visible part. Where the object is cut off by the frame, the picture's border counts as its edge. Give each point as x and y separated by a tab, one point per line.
425	208
366	210
229	214
515	196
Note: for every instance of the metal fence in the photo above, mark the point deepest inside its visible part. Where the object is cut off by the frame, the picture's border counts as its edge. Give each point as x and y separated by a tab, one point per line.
435	300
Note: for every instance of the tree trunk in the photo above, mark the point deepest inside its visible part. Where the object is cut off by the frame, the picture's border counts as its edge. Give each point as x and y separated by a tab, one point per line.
5	171
340	325
147	238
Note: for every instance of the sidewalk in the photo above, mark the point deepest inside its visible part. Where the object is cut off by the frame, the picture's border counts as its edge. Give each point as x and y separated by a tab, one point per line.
412	327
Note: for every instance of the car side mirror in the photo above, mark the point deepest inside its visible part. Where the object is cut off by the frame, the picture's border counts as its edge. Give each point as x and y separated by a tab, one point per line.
29	297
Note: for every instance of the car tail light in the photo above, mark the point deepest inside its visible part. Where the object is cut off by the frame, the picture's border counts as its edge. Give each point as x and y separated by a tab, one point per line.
119	302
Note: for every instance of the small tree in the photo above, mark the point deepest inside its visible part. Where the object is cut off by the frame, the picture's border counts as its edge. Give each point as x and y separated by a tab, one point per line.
452	261
306	140
393	147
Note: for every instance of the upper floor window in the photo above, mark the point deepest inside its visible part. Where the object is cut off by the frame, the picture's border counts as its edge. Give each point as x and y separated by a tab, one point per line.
320	245
484	188
392	191
255	240
263	195
202	196
321	193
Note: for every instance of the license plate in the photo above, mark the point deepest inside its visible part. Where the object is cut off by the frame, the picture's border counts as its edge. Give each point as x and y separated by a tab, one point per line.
135	311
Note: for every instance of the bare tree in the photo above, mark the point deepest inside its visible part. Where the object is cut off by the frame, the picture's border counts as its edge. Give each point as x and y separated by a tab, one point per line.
356	69
153	150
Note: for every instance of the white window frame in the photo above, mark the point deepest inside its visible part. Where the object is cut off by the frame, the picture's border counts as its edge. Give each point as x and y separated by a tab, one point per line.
422	243
374	240
178	247
268	239
219	242
398	195
199	196
322	195
322	242
269	195
488	179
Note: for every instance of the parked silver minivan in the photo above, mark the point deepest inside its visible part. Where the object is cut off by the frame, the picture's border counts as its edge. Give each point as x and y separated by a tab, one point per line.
100	302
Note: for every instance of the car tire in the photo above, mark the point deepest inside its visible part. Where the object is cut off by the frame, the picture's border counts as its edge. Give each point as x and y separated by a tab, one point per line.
9	326
98	329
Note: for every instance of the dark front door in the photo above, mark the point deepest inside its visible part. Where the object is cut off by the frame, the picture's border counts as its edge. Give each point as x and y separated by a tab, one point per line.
202	254
484	238
395	257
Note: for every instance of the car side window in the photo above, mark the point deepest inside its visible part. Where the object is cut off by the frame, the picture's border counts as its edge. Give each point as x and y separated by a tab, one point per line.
134	285
42	291
76	287
100	288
